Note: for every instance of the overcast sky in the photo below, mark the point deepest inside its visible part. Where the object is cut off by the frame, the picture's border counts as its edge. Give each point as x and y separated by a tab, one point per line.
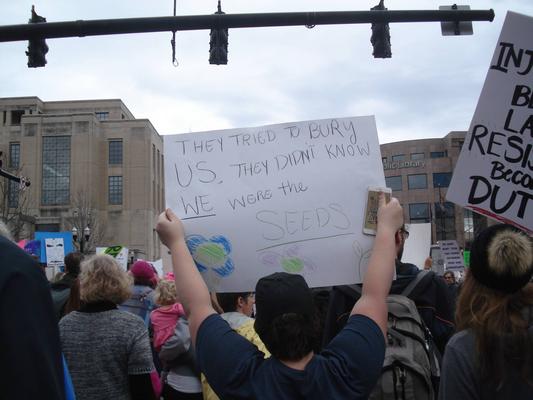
429	87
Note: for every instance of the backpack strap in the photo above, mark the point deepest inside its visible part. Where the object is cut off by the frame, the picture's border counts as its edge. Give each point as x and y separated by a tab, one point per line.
413	284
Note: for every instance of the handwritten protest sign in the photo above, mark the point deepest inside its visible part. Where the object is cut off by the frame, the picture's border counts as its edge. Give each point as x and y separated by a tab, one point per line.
120	253
287	197
493	175
452	255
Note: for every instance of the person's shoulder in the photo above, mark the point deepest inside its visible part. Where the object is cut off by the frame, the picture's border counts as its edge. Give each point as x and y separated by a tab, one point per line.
461	340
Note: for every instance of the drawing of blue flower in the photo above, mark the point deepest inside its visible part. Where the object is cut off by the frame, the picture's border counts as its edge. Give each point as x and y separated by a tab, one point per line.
211	254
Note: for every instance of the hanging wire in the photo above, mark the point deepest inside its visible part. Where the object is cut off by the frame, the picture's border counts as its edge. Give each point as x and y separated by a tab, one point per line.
173	42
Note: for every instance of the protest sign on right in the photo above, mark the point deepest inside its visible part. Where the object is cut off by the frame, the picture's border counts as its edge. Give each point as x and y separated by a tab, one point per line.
493	175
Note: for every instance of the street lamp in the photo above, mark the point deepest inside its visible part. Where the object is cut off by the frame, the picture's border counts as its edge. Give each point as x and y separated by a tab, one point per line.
82	239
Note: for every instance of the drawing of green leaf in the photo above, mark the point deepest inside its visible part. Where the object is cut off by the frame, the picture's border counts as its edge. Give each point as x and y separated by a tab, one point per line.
292	265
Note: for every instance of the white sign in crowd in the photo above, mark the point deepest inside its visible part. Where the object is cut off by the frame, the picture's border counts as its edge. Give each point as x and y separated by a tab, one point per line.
287	197
291	197
494	173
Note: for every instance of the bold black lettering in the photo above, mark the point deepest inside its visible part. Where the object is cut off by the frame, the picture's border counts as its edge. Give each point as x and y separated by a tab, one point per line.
515	143
522	96
530	65
523	203
477	199
508	121
492	141
478	132
506	206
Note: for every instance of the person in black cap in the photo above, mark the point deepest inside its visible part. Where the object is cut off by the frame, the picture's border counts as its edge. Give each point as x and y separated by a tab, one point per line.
347	368
491	356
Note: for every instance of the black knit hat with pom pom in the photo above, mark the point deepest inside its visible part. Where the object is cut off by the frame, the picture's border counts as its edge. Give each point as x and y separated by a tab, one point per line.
501	258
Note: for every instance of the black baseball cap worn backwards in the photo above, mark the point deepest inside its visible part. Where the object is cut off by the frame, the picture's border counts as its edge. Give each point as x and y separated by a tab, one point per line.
281	293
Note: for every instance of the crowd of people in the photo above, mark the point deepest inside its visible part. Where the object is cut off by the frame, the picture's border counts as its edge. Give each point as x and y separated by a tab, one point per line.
100	332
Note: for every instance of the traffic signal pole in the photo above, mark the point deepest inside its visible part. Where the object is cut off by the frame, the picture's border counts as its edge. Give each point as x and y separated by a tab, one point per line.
81	28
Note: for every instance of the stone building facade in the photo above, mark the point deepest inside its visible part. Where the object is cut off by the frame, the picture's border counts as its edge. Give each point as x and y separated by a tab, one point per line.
419	173
89	162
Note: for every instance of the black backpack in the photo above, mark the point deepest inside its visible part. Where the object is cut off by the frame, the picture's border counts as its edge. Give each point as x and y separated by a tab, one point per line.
411	368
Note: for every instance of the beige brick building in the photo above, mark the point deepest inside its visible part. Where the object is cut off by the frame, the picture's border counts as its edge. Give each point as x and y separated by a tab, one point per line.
90	162
419	172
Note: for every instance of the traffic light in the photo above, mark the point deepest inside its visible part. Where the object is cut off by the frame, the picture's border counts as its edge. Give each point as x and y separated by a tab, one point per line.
218	44
37	47
380	38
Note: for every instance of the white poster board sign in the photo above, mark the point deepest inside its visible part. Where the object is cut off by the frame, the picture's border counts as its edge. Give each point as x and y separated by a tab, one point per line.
287	197
493	175
417	245
120	253
55	252
452	255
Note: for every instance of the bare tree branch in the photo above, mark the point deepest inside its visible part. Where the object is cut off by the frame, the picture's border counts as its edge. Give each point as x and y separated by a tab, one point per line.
85	214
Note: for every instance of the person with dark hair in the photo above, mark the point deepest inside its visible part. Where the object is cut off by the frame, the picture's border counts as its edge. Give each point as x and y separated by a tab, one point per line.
491	356
62	289
30	351
242	302
237	312
347	368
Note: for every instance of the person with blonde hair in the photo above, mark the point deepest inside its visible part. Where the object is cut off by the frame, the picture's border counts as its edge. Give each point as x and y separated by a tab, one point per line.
491	356
165	317
172	341
107	350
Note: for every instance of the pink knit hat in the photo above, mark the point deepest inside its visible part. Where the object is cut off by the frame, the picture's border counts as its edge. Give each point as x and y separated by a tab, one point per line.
142	270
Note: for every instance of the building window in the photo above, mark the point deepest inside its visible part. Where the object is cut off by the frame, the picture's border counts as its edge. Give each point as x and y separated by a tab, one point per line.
445	220
398	157
14	155
13	194
102	115
394	182
383	160
158	165
419	212
442	179
153	158
56	170
16	117
115	190
418	181
417	156
438	154
115	152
